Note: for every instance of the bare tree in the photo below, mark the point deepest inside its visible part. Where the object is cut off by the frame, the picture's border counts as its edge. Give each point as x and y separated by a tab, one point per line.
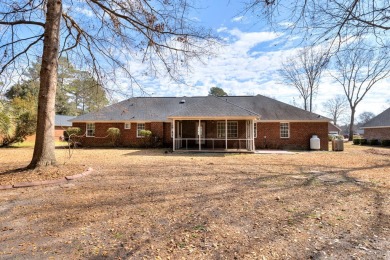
357	70
304	72
336	107
332	21
365	117
98	34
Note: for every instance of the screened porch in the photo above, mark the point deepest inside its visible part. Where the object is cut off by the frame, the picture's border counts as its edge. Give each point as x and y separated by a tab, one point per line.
225	135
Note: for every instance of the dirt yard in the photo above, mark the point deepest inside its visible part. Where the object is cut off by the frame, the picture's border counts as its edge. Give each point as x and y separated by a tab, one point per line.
150	204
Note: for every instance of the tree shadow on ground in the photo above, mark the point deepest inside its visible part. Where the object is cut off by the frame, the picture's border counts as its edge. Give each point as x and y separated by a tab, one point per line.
13	171
154	214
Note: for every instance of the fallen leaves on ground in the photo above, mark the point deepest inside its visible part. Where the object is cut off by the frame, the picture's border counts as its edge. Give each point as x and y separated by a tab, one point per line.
149	204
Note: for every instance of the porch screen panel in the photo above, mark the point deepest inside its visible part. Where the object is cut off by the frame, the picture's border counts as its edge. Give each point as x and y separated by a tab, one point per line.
232	129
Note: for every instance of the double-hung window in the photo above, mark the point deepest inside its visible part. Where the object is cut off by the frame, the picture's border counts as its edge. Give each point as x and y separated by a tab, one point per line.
90	129
284	130
140	127
232	129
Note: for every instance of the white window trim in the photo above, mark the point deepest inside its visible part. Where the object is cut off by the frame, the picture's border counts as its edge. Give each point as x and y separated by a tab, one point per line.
127	123
288	130
223	123
255	129
86	129
140	136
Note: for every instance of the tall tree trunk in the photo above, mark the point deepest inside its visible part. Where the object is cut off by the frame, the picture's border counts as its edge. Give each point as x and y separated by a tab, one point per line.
44	153
350	138
305	103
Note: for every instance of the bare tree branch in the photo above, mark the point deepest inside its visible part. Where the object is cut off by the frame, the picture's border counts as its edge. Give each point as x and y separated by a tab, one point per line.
105	37
357	70
303	72
336	107
22	22
333	21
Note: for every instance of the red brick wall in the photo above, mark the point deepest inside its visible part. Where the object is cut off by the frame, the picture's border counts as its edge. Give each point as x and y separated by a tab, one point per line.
128	137
300	134
167	139
58	132
377	133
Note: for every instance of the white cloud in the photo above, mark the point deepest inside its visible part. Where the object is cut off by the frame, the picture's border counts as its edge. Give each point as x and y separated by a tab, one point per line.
286	24
84	11
240	70
237	19
222	29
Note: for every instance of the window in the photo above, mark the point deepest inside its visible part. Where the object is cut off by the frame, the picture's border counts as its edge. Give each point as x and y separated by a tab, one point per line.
140	127
232	129
255	129
284	130
128	125
90	129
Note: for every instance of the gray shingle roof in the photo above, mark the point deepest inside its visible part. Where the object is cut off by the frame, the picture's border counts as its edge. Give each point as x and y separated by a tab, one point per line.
160	108
333	128
212	106
381	120
61	120
138	109
271	109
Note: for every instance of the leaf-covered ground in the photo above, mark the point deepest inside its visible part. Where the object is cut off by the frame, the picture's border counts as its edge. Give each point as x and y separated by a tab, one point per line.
149	204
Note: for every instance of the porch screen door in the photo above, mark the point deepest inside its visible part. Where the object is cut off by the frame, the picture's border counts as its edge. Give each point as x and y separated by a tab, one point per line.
249	137
201	130
179	133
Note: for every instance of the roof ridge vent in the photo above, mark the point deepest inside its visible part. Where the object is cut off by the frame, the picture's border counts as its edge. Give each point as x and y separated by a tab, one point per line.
182	101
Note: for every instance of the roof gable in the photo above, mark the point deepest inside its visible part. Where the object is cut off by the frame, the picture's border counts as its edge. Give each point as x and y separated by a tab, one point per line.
212	106
381	120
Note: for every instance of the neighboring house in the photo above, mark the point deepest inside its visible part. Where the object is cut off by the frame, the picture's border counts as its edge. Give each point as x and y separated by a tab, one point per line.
206	123
378	127
333	129
61	123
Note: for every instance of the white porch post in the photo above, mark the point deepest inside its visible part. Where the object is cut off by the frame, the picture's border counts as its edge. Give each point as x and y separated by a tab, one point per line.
173	134
253	135
199	135
226	144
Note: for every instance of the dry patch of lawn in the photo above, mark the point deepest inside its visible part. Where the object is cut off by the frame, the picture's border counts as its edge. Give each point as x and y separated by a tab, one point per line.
145	203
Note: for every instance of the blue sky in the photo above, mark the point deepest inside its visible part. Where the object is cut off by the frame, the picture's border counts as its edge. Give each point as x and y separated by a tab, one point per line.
248	63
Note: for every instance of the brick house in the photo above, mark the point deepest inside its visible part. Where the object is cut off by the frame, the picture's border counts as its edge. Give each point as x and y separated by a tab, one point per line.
378	127
243	123
61	123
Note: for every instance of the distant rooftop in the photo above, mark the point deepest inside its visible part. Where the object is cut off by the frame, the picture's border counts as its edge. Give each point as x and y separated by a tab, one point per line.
381	120
61	120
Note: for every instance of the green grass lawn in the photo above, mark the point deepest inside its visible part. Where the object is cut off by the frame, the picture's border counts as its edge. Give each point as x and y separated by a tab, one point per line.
31	144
